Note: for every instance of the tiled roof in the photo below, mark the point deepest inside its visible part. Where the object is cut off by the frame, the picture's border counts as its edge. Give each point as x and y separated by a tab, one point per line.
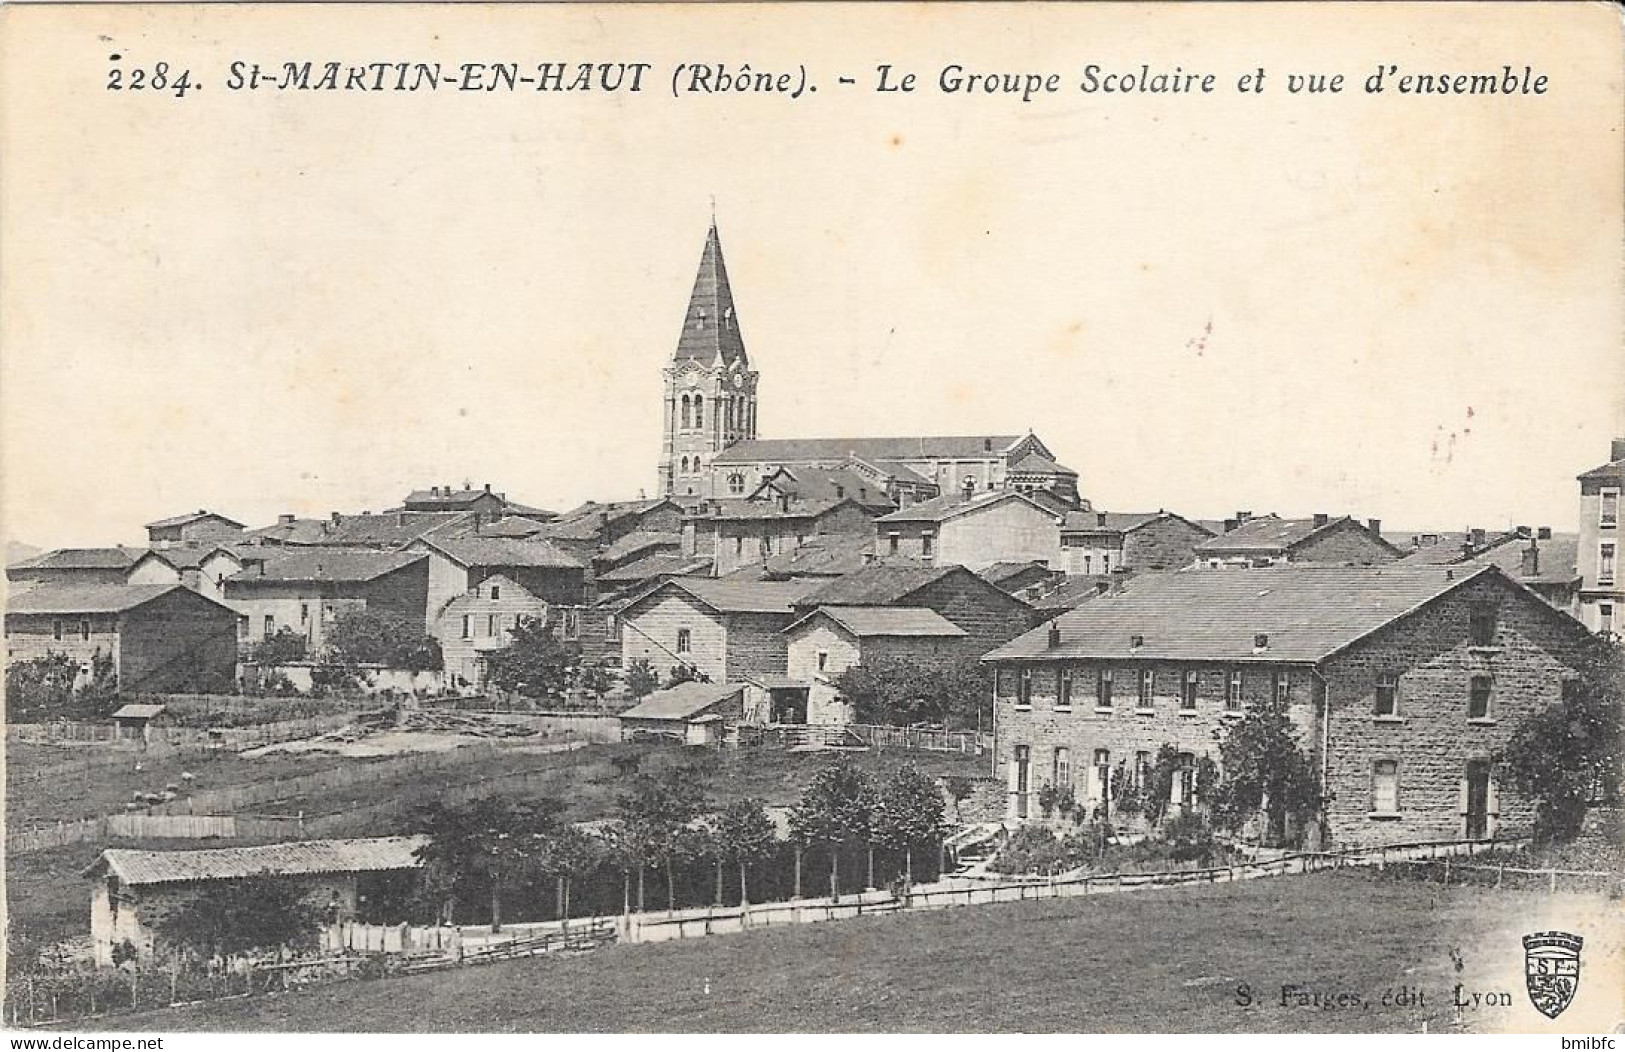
1076	590
505	551
137	712
729	509
1107	521
187	558
877	585
513	526
1035	464
299	531
864	621
82	559
394	529
711	326
1558	559
951	505
1612	470
1308	613
730	596
1270	533
363	855
192	516
791	450
325	564
638	541
87	598
824	555
1001	572
583	523
658	565
903	473
809	483
682	701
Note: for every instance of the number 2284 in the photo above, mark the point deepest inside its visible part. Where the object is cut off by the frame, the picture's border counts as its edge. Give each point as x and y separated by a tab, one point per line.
159	78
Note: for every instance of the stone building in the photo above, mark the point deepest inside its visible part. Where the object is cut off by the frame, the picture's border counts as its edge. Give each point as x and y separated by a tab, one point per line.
343	880
1269	540
1405	685
200	566
1099	543
457	565
739	533
975	529
479	621
307	589
197	527
988	615
832	639
1602	587
724	630
161	637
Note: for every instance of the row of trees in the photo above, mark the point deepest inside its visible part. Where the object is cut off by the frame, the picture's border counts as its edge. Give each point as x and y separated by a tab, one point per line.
902	691
52	685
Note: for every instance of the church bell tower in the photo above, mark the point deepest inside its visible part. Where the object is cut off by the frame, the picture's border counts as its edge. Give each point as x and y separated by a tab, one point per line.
710	387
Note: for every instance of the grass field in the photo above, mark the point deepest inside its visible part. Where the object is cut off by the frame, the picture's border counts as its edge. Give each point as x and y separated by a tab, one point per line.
1166	960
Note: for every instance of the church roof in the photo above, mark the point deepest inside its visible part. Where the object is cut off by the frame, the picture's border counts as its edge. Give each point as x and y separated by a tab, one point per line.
792	450
711	326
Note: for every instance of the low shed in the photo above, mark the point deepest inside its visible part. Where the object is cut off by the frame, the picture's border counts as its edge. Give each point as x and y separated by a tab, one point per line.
135	721
136	890
693	713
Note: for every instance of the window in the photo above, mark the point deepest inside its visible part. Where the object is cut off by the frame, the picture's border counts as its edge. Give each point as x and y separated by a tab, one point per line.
1385	787
1142	768
1147	682
1103	777
1087	559
270	624
1605	617
1063	768
1188	691
736	483
1182	793
1105	564
304	613
84	631
496	591
1478	698
699	411
572	623
927	543
1232	691
56	629
739	546
468	626
1387	695
1481	624
1605	563
493	624
1063	688
767	546
1609	515
1281	687
891	543
823	660
684	641
1024	688
242	627
1103	689
687	419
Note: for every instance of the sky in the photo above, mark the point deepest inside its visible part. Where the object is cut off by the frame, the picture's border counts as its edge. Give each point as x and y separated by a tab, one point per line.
1407	308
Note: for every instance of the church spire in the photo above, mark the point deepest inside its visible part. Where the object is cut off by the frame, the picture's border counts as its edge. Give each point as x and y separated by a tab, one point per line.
711	327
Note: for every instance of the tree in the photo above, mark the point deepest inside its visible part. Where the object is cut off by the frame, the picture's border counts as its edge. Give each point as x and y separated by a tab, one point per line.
682	674
1265	769
641	678
901	691
745	834
100	692
41	686
835	810
249	914
381	637
282	647
594	679
654	816
535	663
570	854
1564	756
908	813
487	843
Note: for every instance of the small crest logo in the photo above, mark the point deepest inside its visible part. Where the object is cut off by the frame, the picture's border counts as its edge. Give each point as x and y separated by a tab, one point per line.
1551	970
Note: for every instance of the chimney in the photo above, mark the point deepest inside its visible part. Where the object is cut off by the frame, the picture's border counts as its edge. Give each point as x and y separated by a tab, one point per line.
603	520
1416	540
1230	524
1321	519
1375	526
1478	537
1054	634
1261	641
284	520
488	487
334	517
1525	532
1616	450
1544	533
1531	560
434	491
1242	517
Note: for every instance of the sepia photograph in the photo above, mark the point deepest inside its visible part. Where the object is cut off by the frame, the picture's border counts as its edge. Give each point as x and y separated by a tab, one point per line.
805	518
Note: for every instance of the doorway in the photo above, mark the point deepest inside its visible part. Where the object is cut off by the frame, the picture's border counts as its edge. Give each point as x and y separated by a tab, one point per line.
1478	799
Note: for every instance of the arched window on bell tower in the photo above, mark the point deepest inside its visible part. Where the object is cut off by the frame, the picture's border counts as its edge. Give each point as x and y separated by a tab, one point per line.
687	409
699	412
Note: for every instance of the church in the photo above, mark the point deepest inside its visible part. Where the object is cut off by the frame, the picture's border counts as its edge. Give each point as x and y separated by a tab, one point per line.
710	447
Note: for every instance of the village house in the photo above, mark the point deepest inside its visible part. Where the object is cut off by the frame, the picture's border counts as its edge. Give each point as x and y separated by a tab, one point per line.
593	527
988	615
1098	543
307	589
1269	540
343	880
1544	562
161	637
1404	684
824	557
197	527
810	484
723	630
975	529
1019	577
457	565
1602	587
691	713
488	505
201	566
736	533
76	566
481	620
832	639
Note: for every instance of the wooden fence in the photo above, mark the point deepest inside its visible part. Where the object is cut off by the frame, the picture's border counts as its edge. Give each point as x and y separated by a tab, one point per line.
169	737
969	743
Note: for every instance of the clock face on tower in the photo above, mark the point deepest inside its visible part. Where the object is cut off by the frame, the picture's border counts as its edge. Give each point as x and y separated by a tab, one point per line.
739	381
